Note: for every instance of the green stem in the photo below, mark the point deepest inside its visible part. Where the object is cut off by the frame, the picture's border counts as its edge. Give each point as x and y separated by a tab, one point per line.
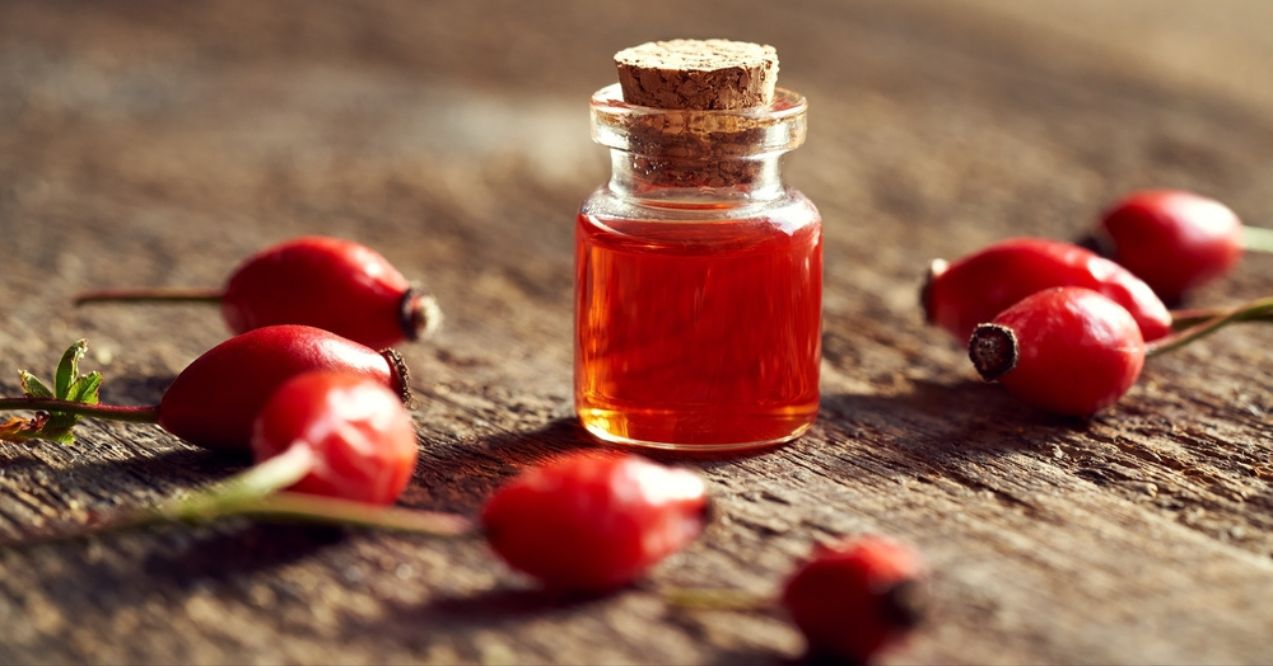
254	494
1190	317
135	414
245	488
293	507
1252	310
149	296
1257	239
313	508
702	598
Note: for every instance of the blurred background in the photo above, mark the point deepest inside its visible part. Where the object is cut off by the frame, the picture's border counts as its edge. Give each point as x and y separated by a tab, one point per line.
438	131
158	143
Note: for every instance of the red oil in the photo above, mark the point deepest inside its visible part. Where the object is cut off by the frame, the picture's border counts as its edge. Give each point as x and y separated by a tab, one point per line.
700	335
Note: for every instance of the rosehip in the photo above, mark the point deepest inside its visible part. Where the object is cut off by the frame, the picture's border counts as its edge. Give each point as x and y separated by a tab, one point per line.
976	288
214	401
856	597
356	438
1067	350
342	444
1173	240
329	283
594	521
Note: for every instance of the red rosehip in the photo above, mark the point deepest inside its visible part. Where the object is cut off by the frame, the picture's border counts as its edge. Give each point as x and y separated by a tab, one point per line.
356	435
214	401
974	289
1173	240
1067	350
854	598
329	283
594	521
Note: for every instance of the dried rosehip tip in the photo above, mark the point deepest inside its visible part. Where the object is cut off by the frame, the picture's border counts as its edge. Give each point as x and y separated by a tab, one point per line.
420	315
993	350
857	597
935	270
905	604
400	375
594	521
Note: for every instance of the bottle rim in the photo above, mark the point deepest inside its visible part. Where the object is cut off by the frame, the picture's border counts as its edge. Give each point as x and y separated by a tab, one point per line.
779	127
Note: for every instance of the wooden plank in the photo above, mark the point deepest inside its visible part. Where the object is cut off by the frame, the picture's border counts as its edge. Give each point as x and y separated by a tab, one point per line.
153	143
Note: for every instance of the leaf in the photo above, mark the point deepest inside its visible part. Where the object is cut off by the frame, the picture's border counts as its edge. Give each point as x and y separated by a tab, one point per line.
69	386
61	437
32	387
68	369
85	389
19	429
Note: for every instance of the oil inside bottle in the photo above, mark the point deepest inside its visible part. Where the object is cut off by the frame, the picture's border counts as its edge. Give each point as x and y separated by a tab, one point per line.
697	334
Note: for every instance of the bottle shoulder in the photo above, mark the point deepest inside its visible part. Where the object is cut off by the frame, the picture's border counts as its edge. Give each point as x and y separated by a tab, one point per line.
792	208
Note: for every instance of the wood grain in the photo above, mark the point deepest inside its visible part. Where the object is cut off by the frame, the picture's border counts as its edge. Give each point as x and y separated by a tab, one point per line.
157	143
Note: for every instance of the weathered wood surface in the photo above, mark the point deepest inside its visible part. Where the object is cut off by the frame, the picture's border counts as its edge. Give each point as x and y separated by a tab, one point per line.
156	143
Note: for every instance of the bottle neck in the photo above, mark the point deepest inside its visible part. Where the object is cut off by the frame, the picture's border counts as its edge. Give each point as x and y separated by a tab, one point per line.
696	158
696	182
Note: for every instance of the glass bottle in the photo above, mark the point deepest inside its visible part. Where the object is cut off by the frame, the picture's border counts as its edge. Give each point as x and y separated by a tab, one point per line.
698	280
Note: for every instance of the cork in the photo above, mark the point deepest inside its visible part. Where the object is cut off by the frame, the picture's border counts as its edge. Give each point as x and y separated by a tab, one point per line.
710	74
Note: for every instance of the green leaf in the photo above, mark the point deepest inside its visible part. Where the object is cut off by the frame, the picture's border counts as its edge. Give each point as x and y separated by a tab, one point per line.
66	437
60	425
68	385
85	388
68	369
32	387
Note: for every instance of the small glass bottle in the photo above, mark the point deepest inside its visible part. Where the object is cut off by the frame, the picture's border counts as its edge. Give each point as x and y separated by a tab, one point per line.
698	279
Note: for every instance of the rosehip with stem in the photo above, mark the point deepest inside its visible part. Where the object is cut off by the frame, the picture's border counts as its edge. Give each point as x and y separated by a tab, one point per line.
978	287
1175	240
594	521
851	599
1073	351
340	435
329	283
350	434
1068	350
582	522
215	400
854	598
341	442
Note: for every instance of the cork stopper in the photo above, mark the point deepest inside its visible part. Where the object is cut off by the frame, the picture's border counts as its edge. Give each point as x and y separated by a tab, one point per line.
710	74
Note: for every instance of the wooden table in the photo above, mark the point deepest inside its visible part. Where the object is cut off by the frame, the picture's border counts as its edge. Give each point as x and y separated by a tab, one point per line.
158	143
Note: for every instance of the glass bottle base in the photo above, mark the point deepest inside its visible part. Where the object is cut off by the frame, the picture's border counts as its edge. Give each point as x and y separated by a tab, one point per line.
669	432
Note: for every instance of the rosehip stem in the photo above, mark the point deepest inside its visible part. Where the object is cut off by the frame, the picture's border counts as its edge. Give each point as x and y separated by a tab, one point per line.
254	493
135	414
1188	318
249	486
294	507
1253	310
149	295
1257	239
704	598
313	508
